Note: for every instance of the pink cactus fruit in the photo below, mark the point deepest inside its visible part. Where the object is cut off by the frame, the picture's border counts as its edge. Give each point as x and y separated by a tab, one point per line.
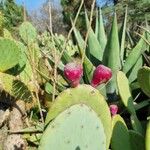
101	75
73	73
113	109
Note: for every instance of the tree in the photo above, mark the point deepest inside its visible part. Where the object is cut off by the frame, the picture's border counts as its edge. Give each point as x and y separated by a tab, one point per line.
41	19
13	14
70	8
138	10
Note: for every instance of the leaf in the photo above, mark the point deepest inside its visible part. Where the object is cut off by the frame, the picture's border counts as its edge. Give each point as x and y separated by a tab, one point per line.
94	49
87	64
142	104
65	57
101	32
133	56
122	38
112	55
96	24
133	73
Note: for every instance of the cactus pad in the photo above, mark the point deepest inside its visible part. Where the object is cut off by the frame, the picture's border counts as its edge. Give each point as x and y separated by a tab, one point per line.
136	140
14	87
27	32
124	91
9	54
127	100
120	135
83	94
74	129
147	136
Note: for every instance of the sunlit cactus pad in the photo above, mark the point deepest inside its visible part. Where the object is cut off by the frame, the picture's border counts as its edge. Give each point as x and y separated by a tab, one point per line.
77	128
83	94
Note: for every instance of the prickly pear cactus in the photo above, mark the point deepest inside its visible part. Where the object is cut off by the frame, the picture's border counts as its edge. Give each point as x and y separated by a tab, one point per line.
120	135
83	94
14	87
136	140
144	79
7	34
124	139
27	32
127	100
124	91
74	129
147	138
9	54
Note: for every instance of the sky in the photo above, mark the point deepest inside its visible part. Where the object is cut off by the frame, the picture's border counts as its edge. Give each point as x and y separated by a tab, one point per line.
35	4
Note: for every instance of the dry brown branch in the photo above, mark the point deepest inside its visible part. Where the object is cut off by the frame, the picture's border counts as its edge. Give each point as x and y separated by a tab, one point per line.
88	30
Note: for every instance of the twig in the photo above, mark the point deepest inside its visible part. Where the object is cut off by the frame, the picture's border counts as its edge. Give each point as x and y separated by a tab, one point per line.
144	29
50	16
69	34
143	38
23	132
32	63
39	105
24	12
55	59
88	31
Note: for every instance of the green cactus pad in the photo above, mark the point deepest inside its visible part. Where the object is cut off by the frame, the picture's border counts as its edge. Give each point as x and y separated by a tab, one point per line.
147	137
78	127
120	135
136	140
127	100
7	34
14	87
9	54
144	80
27	32
83	94
124	91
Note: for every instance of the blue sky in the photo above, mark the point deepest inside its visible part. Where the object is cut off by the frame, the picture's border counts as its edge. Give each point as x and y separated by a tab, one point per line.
34	4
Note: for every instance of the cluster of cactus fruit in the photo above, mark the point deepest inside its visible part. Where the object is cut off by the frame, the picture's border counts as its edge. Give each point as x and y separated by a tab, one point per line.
73	73
79	114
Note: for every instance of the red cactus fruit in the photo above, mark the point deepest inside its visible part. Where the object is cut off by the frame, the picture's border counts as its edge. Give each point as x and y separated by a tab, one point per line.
101	75
113	109
73	73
